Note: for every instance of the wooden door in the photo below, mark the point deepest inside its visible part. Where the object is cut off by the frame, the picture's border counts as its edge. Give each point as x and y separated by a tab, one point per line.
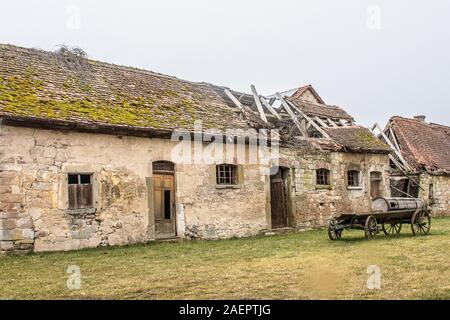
164	204
375	184
278	200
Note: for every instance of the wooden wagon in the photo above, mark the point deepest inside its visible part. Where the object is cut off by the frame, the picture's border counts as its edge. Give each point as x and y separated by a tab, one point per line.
389	214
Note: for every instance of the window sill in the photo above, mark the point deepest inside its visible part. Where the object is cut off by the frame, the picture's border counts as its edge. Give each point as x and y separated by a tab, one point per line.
228	186
81	211
354	188
323	187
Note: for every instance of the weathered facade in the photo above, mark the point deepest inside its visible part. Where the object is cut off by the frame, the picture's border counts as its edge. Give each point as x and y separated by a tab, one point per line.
87	158
421	165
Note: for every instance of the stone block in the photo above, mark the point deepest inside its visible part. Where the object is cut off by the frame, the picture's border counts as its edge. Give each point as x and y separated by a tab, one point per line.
28	234
10	198
6	245
5	189
10	235
8	224
25	223
85	233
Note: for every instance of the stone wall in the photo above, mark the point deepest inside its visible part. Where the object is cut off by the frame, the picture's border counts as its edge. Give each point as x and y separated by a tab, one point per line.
440	202
34	168
34	164
313	205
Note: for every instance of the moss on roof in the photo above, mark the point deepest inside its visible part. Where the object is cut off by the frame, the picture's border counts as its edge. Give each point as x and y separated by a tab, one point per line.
357	139
36	83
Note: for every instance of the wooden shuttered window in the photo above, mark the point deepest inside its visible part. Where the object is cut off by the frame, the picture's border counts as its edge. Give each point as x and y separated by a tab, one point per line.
80	191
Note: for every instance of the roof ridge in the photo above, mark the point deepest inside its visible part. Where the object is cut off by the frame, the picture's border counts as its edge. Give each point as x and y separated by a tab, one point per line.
105	63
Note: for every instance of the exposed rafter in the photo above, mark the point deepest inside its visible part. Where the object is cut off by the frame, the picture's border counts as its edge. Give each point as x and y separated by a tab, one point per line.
270	108
291	114
258	103
308	119
389	142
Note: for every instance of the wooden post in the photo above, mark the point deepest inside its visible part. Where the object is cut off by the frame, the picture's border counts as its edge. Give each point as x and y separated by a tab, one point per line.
258	103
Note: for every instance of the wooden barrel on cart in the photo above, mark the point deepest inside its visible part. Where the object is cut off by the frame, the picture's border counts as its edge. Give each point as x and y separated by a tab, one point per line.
391	204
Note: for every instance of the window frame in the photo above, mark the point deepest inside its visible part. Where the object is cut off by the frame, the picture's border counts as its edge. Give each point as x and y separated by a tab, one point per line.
90	202
327	177
238	180
358	180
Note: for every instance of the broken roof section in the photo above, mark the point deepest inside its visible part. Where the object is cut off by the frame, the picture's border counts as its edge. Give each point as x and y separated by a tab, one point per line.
69	91
424	146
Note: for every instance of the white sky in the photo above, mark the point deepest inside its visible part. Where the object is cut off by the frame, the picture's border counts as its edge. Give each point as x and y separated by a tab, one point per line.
402	68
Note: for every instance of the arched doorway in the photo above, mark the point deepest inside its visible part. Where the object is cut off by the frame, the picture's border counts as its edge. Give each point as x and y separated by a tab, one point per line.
164	199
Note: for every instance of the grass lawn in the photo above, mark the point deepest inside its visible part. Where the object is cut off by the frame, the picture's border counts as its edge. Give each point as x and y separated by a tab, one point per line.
302	265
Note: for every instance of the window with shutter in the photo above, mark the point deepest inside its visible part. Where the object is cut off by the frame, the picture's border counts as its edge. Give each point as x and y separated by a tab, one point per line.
80	191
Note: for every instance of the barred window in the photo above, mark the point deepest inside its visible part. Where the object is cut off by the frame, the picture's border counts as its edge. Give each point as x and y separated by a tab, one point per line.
226	174
353	178
323	177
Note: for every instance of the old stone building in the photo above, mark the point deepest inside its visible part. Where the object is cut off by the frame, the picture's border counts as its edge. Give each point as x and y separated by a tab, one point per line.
420	166
88	156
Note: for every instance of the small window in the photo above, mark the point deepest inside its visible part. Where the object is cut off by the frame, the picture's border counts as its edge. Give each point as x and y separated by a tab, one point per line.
323	177
353	178
226	174
80	191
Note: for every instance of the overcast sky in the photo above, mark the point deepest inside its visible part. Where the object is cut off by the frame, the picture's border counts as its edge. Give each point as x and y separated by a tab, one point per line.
374	58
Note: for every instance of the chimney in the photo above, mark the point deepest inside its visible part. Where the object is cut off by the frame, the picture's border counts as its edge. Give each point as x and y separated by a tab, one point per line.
420	118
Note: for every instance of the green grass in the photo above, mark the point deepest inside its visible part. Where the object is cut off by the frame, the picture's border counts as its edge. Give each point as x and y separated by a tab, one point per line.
302	265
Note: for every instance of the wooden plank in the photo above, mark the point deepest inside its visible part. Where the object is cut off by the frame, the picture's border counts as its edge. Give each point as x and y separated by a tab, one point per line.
235	101
258	103
322	132
321	122
291	114
333	124
394	139
73	203
388	141
270	108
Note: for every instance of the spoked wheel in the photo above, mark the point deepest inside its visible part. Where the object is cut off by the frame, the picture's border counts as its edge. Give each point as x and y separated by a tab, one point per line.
391	227
333	233
420	223
370	228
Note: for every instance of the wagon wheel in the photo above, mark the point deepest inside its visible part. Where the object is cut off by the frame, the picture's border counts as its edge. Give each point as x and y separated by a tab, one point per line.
333	234
420	223
370	228
391	227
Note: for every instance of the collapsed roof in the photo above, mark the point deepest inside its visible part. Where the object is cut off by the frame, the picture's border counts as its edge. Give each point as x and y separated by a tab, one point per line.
424	146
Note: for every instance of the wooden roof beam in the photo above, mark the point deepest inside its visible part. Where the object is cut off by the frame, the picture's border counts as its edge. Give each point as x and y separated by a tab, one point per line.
333	124
258	103
321	122
291	114
308	119
270	108
235	101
